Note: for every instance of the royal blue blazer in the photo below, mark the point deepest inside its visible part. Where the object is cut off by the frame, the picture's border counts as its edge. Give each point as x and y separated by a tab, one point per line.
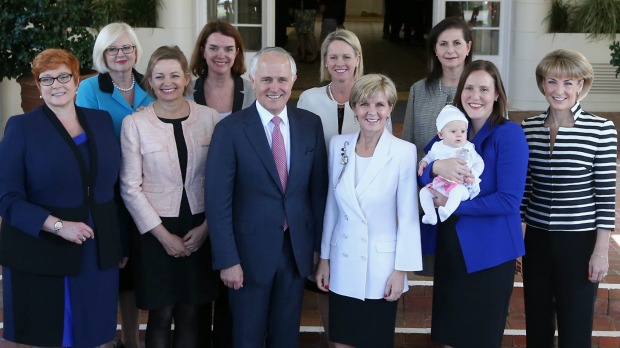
489	226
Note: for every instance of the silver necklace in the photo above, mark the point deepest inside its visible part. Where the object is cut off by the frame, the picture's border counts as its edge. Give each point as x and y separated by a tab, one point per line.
133	83
448	93
331	96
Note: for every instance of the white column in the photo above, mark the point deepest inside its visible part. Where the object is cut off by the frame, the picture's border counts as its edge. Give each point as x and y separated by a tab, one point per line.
528	48
175	26
10	102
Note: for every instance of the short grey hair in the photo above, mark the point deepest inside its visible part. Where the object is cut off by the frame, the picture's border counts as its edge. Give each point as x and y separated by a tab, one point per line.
106	37
278	51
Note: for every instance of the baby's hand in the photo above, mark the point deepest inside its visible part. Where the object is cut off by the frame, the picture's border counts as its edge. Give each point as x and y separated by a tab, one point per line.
469	181
421	167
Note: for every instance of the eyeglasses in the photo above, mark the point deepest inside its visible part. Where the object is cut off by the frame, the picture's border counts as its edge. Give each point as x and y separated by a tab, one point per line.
48	81
112	51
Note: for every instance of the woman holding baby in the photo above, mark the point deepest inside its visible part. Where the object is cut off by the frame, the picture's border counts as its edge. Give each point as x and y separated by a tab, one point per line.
479	242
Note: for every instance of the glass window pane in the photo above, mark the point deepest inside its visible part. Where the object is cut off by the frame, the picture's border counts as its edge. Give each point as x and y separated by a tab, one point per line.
486	42
245	15
252	38
236	11
477	13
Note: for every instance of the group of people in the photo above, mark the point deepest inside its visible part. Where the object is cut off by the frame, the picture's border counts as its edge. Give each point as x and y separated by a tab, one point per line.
192	180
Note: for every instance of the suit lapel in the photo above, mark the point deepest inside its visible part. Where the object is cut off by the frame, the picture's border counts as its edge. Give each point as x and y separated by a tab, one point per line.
297	149
347	181
258	140
379	158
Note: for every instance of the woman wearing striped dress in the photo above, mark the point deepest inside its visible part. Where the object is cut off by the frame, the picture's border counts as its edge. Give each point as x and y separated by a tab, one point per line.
568	205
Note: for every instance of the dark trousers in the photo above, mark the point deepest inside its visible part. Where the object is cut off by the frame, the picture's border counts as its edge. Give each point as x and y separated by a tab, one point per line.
268	315
222	320
555	282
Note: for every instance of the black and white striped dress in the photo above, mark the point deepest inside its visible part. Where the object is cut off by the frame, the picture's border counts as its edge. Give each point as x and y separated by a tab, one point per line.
572	188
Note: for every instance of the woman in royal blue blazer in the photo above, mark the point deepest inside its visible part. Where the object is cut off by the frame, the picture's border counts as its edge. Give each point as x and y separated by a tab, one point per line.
61	245
478	245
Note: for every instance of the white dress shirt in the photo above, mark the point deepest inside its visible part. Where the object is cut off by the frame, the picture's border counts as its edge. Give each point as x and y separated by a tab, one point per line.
265	117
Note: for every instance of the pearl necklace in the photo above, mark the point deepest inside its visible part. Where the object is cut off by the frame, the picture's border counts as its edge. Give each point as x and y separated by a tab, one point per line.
133	83
331	96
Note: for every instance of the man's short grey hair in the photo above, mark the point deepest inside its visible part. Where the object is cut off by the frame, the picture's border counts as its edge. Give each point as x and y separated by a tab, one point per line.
275	51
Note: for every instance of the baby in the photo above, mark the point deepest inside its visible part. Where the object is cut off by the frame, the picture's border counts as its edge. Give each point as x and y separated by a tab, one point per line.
452	130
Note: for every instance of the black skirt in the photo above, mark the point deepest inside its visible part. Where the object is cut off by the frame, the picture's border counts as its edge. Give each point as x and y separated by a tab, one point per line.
162	280
469	309
362	324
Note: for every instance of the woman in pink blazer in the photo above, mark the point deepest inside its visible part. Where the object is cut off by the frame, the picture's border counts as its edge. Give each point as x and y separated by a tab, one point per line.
164	150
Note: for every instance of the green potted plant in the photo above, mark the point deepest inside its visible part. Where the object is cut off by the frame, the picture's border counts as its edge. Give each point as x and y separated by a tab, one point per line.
598	18
615	56
28	27
136	13
560	17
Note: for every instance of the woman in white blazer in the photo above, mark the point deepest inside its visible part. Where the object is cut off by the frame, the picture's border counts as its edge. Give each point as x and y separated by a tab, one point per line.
371	232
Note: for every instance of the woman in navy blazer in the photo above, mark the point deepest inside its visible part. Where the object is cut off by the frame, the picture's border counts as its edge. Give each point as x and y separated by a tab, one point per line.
60	246
477	246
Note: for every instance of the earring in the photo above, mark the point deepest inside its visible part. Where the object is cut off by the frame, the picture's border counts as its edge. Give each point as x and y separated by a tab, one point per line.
354	119
40	97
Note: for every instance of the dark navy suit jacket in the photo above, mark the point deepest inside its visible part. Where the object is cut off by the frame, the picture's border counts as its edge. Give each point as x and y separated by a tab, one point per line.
244	202
43	173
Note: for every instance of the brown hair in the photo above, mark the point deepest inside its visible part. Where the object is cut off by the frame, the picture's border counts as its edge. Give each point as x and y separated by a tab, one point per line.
434	65
163	53
198	64
500	107
53	58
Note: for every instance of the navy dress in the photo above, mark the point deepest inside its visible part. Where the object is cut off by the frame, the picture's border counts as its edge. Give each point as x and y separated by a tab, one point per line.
58	293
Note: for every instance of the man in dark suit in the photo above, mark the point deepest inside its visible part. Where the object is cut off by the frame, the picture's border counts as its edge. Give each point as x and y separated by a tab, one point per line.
265	191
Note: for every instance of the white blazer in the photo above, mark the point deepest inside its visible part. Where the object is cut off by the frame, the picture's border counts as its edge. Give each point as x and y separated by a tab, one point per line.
373	228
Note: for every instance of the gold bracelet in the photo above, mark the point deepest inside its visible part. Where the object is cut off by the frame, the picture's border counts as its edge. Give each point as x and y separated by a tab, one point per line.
601	256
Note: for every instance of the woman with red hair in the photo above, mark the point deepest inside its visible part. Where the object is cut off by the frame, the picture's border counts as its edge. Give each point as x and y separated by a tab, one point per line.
61	245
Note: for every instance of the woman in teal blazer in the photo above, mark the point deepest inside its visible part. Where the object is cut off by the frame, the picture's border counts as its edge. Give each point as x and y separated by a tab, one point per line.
119	90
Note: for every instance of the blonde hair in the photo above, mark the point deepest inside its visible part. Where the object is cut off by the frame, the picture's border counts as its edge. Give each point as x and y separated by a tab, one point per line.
352	40
164	53
571	64
371	85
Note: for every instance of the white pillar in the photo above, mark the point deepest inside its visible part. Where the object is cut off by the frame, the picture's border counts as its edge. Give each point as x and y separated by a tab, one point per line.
528	48
10	101
175	26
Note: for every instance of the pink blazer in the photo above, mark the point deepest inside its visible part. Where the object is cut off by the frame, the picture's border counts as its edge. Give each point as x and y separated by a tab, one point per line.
151	181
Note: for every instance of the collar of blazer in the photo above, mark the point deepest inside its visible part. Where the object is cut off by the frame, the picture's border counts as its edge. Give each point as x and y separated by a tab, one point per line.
149	111
380	158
